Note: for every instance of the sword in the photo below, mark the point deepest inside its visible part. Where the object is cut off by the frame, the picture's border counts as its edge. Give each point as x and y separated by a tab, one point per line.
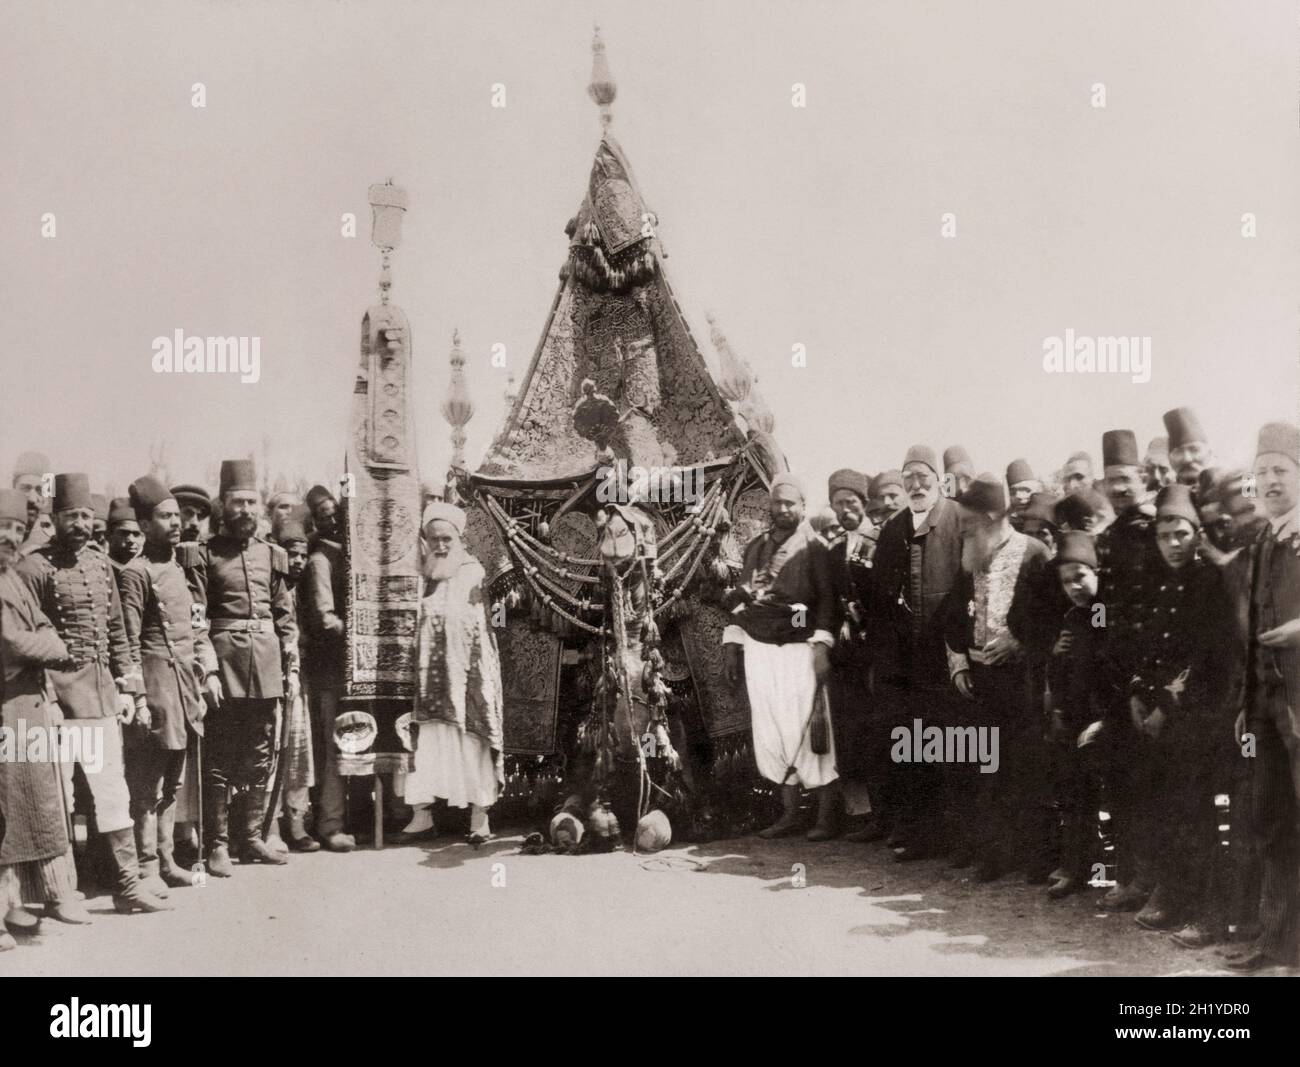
281	768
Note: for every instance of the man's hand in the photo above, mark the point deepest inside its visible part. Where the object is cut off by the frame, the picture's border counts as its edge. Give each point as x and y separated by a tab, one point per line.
821	661
294	688
964	684
125	708
1064	643
1001	648
733	664
212	693
142	716
1285	636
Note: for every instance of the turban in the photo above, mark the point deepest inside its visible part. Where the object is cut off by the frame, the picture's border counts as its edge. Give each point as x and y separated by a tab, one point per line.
71	491
438	511
13	505
921	454
1280	437
1184	427
853	481
1119	448
1019	470
1075	546
792	480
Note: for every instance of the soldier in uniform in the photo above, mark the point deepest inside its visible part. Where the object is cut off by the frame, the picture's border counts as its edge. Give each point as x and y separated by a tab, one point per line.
158	600
33	827
322	594
196	509
1177	697
1124	554
125	538
73	582
244	584
850	678
1272	716
917	561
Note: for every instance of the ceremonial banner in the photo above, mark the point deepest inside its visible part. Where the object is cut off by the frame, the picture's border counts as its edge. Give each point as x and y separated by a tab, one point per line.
383	516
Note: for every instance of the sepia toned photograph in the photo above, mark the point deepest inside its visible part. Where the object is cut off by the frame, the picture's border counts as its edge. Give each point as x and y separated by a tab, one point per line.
620	489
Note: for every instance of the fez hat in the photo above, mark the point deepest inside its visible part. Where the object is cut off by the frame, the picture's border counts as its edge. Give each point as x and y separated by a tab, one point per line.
956	460
289	530
437	510
1282	437
1175	502
13	505
1119	448
790	479
853	481
1019	470
885	478
1158	451
71	491
193	496
31	463
1077	508
921	454
120	510
985	494
316	494
146	494
1042	506
99	502
1076	546
238	475
1079	457
1183	426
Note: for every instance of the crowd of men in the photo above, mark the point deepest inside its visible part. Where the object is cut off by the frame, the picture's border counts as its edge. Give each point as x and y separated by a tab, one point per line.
1003	662
1126	641
153	640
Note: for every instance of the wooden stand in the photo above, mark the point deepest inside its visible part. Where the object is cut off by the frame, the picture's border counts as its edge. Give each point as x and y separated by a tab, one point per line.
375	765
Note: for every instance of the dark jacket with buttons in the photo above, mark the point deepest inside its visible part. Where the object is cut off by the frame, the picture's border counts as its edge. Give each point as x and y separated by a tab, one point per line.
78	593
168	639
1126	553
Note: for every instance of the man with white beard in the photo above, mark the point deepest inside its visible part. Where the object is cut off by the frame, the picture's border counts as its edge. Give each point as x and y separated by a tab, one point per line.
459	696
987	664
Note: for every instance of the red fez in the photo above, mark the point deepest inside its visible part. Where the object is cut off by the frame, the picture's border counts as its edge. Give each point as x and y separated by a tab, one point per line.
1281	437
1183	427
853	481
13	505
238	475
1076	546
288	531
72	491
1175	502
921	454
985	494
120	511
1119	448
957	459
31	463
1019	470
146	494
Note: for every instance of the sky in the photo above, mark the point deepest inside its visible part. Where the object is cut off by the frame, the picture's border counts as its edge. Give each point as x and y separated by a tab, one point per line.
819	226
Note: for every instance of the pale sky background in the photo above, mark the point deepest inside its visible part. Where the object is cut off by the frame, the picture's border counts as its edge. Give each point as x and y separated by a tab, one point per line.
818	225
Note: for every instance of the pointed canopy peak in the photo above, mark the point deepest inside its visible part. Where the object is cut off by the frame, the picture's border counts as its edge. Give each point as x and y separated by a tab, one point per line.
734	377
603	89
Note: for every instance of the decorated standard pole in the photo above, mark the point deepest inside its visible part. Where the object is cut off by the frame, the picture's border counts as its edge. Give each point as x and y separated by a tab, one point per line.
457	409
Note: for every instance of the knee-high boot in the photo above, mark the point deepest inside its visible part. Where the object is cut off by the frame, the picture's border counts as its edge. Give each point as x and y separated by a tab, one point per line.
216	832
129	893
146	850
168	871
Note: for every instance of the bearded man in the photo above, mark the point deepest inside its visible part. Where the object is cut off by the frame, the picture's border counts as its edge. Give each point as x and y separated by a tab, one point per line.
887	497
1189	445
459	695
783	612
1006	811
34	835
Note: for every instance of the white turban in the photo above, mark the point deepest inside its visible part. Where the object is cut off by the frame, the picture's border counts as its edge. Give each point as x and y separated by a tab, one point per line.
436	510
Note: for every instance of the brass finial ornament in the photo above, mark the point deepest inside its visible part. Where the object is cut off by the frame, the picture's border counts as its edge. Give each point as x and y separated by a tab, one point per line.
387	206
603	89
457	407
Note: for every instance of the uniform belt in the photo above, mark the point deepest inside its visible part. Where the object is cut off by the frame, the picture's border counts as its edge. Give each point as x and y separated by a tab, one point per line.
252	626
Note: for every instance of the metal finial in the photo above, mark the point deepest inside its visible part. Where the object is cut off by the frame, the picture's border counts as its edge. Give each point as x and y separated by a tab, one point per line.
603	89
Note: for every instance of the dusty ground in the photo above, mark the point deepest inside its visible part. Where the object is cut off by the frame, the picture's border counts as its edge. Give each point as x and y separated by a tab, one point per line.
724	908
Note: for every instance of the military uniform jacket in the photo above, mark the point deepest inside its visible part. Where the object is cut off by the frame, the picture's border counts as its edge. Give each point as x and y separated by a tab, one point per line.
31	793
913	573
322	593
78	593
1125	558
851	556
169	640
245	585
